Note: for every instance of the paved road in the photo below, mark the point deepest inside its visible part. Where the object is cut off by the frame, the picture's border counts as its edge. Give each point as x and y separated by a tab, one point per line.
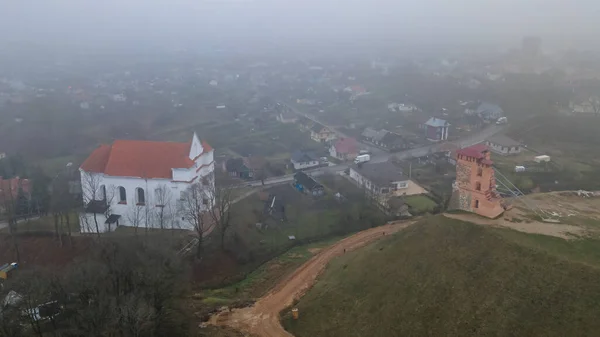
382	156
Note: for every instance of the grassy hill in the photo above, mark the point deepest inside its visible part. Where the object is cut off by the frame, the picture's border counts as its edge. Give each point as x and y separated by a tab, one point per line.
444	277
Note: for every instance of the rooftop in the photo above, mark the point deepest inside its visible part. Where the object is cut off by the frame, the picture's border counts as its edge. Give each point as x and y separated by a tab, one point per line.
302	157
380	174
476	151
346	145
436	122
306	181
318	127
503	140
136	158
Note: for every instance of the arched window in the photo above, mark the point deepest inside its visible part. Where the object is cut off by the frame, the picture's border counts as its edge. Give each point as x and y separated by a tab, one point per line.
479	171
122	195
141	197
478	186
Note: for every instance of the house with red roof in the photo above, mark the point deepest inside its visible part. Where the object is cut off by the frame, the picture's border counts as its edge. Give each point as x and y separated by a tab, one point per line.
344	149
132	177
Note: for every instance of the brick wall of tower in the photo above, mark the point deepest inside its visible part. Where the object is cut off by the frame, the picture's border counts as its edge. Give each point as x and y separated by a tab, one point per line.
475	187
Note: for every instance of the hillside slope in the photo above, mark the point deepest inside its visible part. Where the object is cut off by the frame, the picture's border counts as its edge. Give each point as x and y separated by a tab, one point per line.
444	277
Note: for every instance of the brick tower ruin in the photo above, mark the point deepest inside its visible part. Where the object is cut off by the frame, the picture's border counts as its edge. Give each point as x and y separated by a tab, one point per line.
475	187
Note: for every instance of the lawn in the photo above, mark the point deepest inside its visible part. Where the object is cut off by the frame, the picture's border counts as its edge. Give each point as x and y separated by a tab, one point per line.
420	204
256	237
444	277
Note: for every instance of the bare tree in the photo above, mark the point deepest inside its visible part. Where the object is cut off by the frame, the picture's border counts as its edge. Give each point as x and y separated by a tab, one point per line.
261	174
221	210
135	216
61	206
163	214
194	209
97	199
92	188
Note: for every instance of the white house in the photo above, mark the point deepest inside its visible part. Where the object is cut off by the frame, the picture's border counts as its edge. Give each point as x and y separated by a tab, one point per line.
302	160
129	183
383	180
380	178
503	145
119	98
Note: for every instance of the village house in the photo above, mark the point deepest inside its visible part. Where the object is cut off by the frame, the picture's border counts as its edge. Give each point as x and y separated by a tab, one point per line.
302	160
389	141
235	167
306	184
384	180
487	111
257	164
321	133
117	179
503	145
585	105
436	129
401	107
304	123
306	101
286	117
344	149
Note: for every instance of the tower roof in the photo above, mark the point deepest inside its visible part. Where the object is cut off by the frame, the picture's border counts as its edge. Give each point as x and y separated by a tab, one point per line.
476	151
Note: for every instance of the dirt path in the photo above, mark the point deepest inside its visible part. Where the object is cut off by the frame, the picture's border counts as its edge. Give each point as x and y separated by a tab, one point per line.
262	319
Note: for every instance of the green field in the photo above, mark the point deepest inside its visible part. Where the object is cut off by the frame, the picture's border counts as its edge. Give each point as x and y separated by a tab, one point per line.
443	277
420	204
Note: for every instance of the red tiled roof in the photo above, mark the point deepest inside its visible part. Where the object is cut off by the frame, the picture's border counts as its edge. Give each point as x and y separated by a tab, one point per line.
475	151
97	160
134	158
346	145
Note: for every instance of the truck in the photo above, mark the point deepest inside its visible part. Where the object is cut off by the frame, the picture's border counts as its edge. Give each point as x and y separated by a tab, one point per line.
363	158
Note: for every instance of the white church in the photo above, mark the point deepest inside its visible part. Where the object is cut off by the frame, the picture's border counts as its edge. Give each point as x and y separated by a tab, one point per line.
142	183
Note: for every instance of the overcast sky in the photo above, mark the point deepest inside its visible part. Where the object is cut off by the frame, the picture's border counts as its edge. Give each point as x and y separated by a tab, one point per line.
103	21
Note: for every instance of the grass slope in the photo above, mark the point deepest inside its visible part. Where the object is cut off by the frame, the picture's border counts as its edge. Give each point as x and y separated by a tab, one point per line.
444	277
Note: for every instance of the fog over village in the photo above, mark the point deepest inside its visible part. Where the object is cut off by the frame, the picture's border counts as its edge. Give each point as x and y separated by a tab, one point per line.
299	168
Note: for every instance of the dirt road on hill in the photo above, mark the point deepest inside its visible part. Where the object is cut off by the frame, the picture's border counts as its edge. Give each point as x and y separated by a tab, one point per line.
262	319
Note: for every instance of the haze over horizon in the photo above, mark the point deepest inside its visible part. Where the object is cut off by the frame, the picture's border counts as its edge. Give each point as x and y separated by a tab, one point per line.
492	22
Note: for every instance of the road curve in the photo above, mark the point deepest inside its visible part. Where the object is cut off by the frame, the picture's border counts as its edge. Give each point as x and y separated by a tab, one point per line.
262	319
